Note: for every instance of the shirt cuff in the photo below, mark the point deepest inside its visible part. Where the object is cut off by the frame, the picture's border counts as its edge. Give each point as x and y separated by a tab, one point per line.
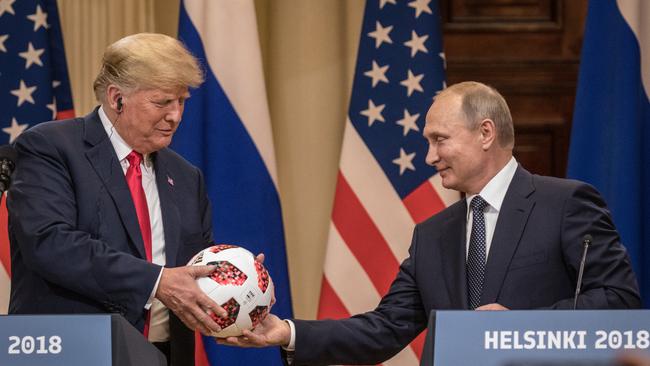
152	296
292	341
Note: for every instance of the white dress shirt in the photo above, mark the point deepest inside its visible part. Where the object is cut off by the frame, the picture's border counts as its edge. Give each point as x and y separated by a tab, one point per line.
159	321
493	193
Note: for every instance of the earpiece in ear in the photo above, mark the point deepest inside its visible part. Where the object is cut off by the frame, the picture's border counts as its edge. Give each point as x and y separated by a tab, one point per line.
119	105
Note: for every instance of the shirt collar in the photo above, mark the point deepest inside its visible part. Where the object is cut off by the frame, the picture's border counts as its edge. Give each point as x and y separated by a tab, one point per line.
495	191
122	149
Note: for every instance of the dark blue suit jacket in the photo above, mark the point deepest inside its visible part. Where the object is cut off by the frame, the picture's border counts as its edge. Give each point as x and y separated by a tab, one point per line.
533	263
76	245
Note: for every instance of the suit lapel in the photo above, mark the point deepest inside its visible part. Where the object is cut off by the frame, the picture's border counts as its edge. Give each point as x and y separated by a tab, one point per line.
168	206
512	220
452	244
104	161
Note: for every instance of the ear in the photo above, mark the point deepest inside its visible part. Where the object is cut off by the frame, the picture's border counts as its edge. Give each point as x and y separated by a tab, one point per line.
488	131
113	95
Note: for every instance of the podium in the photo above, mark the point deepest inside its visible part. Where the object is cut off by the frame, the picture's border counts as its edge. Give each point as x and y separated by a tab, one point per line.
74	340
534	337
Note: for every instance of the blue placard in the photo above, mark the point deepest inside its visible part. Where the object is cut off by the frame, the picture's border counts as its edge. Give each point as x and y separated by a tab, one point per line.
491	338
66	340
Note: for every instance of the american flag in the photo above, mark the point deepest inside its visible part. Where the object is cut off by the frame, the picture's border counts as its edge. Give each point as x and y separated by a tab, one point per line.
34	85
384	185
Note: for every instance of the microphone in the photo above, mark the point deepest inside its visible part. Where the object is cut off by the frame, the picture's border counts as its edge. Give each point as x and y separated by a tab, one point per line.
586	241
7	165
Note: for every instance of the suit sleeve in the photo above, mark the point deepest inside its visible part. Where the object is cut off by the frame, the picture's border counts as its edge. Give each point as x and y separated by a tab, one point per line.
608	281
43	215
371	337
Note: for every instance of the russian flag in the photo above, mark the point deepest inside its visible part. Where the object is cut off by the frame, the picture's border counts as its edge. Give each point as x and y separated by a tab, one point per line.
611	123
226	132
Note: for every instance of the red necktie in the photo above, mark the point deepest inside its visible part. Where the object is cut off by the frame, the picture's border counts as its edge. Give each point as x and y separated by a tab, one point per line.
134	180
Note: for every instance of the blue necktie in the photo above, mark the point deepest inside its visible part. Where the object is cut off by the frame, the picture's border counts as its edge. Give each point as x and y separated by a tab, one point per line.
477	252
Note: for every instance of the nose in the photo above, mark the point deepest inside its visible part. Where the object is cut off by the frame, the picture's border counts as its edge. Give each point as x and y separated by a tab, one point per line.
432	154
175	112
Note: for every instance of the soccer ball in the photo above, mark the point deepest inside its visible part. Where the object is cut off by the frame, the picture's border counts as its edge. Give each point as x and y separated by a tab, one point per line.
240	284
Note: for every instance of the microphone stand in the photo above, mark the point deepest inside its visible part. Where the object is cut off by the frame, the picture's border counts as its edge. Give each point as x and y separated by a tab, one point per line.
585	242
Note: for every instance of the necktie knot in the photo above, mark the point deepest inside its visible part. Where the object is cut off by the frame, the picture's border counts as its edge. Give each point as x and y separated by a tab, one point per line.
134	158
478	204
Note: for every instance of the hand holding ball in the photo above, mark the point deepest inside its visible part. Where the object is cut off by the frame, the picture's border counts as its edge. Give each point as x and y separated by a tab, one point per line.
240	284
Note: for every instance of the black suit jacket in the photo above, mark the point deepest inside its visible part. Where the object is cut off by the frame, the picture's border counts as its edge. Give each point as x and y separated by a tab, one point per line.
533	263
76	245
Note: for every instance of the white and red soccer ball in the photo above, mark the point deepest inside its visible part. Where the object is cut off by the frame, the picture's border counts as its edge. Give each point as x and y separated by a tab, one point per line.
240	284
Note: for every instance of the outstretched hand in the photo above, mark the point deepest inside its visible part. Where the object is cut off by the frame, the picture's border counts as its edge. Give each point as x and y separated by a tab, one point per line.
273	331
180	293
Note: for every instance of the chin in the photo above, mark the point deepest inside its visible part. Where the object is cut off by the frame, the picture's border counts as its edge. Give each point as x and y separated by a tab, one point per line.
163	143
447	181
447	184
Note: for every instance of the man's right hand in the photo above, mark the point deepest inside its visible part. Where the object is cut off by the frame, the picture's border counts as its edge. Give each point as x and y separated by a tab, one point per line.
180	293
273	331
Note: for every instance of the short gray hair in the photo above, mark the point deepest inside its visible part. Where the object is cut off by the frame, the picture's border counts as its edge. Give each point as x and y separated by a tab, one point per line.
481	101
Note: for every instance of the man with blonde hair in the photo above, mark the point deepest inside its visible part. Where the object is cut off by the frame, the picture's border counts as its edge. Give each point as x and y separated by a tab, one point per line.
513	242
103	216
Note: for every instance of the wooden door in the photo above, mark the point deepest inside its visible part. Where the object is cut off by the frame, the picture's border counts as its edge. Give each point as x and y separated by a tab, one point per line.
530	51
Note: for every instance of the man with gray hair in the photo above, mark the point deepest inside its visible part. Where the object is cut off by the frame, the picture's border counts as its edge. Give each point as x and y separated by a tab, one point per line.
103	216
513	242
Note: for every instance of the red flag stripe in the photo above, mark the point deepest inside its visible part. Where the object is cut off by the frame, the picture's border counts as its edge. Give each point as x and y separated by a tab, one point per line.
423	202
330	306
346	275
418	344
357	230
376	193
65	114
200	358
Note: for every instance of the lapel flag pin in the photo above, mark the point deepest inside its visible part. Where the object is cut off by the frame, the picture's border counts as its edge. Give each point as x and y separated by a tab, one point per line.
170	181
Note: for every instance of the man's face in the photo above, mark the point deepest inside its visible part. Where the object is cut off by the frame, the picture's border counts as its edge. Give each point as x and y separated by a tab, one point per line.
150	117
454	149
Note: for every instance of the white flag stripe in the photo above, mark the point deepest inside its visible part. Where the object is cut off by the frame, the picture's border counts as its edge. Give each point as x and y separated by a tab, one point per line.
5	284
636	13
346	276
448	196
243	82
376	193
405	357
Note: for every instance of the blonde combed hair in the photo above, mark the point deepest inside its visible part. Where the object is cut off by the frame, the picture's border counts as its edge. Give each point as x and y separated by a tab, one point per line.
147	61
481	101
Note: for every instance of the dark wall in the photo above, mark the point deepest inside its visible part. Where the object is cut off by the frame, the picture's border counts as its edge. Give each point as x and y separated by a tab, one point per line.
530	51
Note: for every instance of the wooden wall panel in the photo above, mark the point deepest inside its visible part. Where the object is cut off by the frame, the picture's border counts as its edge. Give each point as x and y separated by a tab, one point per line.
529	50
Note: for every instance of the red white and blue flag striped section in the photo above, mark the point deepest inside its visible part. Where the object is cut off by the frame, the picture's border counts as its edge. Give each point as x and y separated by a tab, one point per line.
384	185
226	132
611	121
34	86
